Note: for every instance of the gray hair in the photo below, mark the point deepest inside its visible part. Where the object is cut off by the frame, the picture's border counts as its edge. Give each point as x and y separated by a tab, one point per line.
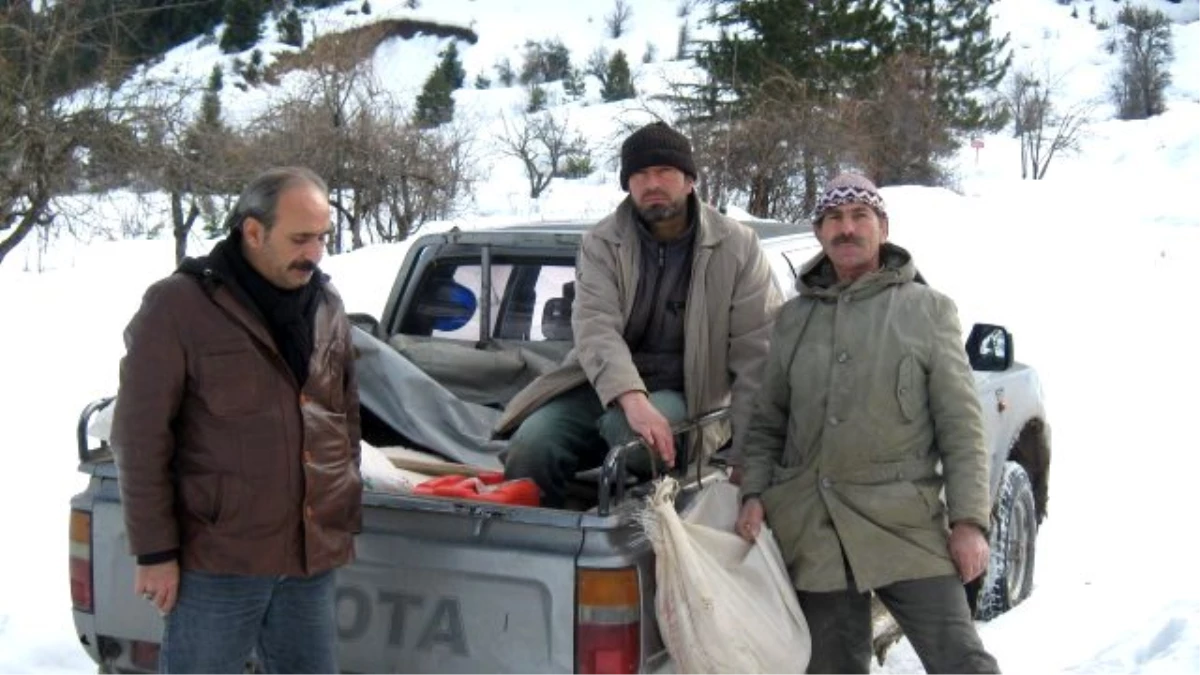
261	196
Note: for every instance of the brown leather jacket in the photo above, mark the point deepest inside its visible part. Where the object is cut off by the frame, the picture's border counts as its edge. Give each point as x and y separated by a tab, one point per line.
220	454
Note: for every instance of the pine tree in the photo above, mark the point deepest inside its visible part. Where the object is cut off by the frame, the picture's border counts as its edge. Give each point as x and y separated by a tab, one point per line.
243	20
618	86
505	73
573	85
831	46
435	104
547	61
537	99
685	39
953	39
452	67
253	72
1146	55
291	31
210	103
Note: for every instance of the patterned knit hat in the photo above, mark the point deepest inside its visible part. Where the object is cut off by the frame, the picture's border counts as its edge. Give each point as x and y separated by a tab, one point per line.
850	188
655	144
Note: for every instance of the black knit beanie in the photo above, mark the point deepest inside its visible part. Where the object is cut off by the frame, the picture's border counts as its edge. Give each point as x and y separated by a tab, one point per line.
655	144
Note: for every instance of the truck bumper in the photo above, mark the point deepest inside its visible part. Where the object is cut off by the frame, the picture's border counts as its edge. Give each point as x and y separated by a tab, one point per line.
85	629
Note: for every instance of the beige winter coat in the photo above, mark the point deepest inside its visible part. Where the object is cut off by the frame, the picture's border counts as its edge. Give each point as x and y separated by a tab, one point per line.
730	309
866	389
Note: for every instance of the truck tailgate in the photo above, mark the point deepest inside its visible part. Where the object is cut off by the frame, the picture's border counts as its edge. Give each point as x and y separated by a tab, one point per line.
452	587
119	611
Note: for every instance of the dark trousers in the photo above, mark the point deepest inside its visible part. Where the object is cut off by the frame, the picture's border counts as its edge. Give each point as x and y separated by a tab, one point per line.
573	432
933	614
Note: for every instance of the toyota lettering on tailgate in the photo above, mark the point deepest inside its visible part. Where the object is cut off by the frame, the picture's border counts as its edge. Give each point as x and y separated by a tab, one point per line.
413	621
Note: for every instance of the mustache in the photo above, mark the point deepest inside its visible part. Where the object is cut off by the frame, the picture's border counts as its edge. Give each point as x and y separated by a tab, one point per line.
848	239
303	266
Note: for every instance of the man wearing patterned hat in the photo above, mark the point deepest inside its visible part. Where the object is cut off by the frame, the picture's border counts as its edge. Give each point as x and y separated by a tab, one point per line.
673	307
866	391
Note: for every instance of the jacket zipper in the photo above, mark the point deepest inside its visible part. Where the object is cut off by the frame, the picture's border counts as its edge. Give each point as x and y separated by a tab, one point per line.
659	312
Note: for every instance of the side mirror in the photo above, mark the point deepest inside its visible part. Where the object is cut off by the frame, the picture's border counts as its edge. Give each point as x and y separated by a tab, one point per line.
365	322
990	348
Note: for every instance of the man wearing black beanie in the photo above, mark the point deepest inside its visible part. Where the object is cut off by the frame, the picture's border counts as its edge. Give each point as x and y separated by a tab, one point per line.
673	309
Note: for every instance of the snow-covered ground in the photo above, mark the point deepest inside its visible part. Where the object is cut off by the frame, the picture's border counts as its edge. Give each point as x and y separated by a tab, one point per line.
1093	269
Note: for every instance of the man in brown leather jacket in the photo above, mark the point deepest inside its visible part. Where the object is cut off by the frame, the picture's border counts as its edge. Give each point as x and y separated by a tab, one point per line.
236	433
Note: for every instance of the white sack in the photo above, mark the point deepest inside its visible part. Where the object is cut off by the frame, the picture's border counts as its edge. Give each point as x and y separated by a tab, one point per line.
379	474
723	605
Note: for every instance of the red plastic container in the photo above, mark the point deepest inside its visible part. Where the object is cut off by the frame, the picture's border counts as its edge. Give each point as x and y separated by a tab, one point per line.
488	486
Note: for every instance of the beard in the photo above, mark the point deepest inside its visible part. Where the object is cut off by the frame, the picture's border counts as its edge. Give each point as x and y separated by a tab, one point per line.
657	213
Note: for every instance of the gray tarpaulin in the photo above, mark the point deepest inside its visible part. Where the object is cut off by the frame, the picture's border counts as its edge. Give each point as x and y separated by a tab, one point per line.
416	405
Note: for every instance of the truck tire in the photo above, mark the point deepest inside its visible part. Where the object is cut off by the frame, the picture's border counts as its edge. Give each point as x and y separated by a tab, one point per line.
1009	577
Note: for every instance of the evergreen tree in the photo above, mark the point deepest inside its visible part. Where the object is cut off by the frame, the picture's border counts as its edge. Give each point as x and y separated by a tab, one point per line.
452	66
618	86
547	61
243	22
255	69
831	46
504	73
210	103
435	103
685	39
574	86
160	26
953	39
291	31
1146	54
537	99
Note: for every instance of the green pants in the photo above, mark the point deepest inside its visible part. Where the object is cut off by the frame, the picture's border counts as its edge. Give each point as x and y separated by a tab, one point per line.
574	432
932	612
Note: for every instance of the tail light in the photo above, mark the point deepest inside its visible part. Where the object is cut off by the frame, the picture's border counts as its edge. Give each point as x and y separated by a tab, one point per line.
80	552
608	625
144	655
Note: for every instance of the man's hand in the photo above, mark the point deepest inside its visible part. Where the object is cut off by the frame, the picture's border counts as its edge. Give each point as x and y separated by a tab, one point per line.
735	474
159	584
969	550
647	422
750	519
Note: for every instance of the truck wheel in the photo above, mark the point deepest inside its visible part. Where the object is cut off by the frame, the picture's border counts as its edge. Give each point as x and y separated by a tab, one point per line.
1009	577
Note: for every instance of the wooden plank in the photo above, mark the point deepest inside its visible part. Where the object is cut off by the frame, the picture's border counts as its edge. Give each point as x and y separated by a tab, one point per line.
411	460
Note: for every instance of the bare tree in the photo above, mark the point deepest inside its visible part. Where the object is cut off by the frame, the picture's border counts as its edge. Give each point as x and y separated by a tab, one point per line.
772	155
617	21
387	177
899	134
1043	127
46	128
406	176
597	65
542	144
190	157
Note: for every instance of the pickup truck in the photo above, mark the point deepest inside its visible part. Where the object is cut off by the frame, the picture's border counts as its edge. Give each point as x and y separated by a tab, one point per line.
441	585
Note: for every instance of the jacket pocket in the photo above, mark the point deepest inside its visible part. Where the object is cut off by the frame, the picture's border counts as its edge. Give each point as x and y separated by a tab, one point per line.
781	474
327	436
203	497
229	382
911	390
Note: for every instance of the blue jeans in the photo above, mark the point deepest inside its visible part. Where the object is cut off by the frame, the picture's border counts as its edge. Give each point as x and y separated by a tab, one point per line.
573	432
220	619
